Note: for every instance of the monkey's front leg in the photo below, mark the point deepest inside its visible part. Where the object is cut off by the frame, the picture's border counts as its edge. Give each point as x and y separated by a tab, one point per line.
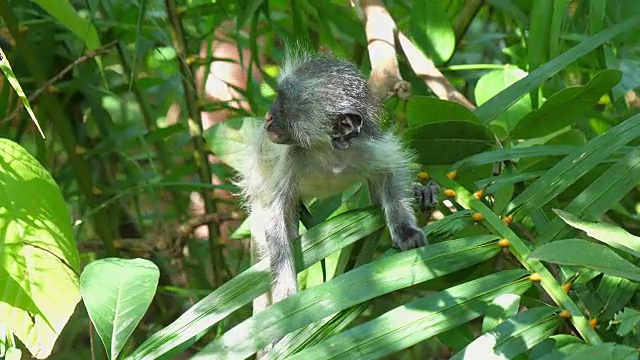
390	189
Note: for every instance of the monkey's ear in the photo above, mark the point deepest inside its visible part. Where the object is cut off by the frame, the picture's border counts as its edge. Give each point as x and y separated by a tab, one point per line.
346	127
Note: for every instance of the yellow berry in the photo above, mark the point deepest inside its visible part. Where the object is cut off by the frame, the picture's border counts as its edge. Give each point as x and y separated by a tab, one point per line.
479	194
449	193
423	175
477	217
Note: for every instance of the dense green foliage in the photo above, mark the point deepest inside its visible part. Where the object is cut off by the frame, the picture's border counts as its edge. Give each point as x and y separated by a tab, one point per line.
122	123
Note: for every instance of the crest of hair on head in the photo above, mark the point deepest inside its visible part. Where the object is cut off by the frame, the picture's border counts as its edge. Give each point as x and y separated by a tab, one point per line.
295	55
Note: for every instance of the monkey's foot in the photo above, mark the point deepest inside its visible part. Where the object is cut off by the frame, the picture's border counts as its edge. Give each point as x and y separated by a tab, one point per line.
409	237
426	196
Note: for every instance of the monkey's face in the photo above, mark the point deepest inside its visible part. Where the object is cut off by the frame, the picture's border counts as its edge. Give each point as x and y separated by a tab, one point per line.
277	128
297	119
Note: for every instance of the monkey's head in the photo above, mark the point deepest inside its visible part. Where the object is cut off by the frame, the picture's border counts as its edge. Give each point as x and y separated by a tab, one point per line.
321	101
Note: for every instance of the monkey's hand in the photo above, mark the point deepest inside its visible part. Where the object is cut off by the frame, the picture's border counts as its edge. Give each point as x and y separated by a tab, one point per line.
426	196
408	237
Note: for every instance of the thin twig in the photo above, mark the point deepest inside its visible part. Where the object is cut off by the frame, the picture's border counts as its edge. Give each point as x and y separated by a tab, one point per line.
90	55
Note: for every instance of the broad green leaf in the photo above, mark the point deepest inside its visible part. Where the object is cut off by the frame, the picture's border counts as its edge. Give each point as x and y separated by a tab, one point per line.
39	261
228	140
590	255
67	16
491	84
500	309
549	346
317	243
489	110
575	165
610	234
117	292
514	336
423	110
364	283
458	338
615	293
431	30
409	324
600	196
446	142
606	351
566	106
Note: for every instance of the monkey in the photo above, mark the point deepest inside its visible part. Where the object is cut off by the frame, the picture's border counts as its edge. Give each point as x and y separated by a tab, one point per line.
322	135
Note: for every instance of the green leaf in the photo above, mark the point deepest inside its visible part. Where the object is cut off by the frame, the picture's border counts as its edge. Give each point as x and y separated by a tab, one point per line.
600	196
364	283
514	336
566	106
67	16
548	348
575	165
609	234
446	142
317	243
409	324
228	140
583	253
501	308
629	319
117	292
424	109
489	157
491	84
615	293
489	110
458	338
39	261
431	30
15	84
606	351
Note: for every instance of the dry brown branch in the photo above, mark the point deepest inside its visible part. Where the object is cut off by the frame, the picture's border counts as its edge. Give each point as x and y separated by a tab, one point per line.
427	70
385	79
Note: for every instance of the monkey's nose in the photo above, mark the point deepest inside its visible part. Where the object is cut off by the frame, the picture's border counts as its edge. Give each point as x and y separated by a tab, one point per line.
268	117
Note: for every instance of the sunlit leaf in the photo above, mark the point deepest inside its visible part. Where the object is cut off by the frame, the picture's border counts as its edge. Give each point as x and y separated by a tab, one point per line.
38	254
592	256
117	293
